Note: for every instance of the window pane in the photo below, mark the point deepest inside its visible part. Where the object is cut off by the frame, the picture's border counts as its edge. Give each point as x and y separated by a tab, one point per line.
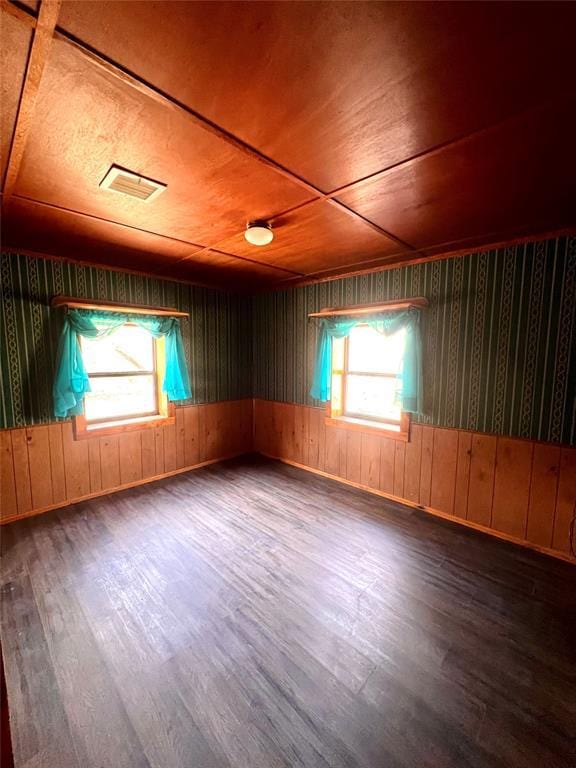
372	396
128	348
117	396
369	350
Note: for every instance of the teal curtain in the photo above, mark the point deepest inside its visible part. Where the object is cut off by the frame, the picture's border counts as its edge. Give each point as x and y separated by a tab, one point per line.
71	382
386	323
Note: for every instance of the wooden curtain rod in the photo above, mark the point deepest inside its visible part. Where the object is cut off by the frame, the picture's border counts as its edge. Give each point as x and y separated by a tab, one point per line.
368	309
109	306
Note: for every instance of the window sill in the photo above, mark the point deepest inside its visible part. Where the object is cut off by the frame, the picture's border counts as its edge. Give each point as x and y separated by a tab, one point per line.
366	425
83	430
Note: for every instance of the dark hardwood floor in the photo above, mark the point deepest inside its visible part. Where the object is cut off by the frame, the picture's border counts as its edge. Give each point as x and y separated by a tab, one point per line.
6	760
253	615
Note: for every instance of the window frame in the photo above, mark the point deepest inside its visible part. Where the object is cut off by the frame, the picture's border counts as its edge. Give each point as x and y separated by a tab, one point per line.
164	412
336	414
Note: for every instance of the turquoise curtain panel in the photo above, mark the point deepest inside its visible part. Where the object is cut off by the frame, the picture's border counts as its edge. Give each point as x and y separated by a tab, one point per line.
71	381
386	323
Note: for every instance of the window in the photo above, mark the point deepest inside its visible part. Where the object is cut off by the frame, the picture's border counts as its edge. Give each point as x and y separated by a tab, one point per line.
126	391
365	384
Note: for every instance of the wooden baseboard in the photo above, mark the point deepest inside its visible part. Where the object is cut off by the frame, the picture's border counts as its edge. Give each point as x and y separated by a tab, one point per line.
431	511
108	491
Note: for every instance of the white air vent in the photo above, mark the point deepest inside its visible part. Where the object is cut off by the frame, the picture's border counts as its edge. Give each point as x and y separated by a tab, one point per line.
128	183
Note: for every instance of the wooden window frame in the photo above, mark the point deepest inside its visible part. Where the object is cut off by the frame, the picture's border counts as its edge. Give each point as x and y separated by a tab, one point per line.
337	416
164	412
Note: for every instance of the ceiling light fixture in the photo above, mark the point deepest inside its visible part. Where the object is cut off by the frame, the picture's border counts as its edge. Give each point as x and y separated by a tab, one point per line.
259	233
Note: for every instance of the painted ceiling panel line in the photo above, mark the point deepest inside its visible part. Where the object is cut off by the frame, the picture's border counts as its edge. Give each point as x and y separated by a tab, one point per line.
199	247
264	264
438	149
134	81
103	219
378	175
338	205
425	255
151	91
142	85
380	230
442	241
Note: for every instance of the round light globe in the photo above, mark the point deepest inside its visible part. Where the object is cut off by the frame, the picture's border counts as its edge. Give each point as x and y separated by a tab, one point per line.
259	233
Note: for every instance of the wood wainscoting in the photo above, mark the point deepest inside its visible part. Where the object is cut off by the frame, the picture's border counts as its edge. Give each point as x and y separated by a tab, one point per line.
44	467
520	490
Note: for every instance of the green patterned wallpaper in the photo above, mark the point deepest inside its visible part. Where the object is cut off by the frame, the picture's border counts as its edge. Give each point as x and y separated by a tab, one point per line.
499	337
217	337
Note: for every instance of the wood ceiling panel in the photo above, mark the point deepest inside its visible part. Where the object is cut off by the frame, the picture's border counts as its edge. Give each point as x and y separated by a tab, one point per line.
52	231
15	39
229	272
315	238
339	90
21	215
517	178
86	120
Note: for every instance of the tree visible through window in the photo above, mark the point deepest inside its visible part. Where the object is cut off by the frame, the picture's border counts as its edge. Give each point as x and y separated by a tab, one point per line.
365	376
123	372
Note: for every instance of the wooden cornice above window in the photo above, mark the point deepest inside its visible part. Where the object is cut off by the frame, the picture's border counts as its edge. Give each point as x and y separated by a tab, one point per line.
368	309
109	306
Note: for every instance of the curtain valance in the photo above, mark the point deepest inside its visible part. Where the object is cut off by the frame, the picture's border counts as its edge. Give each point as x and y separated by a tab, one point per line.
71	382
386	323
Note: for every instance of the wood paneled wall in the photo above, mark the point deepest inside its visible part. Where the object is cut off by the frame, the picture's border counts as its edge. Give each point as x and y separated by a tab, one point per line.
520	490
43	467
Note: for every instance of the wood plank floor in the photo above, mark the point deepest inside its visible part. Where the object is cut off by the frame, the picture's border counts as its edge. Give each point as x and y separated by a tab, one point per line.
254	615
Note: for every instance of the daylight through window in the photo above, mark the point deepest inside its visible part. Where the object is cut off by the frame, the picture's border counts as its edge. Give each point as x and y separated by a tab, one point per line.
122	368
365	376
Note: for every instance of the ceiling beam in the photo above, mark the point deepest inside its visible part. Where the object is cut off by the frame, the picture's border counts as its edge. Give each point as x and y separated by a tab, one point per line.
37	58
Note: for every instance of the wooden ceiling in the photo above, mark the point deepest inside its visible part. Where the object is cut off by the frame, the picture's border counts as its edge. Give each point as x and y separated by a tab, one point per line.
367	133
